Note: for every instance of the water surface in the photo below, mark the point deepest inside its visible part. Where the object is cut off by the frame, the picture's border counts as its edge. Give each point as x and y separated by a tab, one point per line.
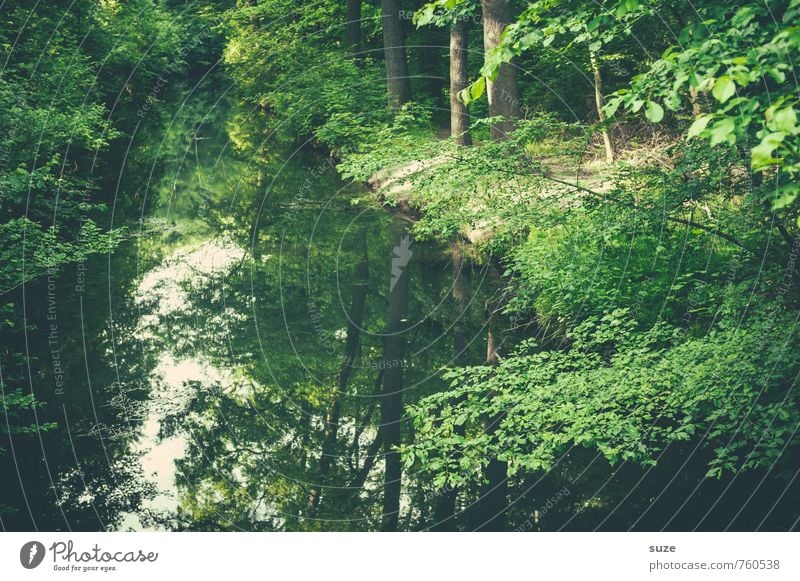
201	358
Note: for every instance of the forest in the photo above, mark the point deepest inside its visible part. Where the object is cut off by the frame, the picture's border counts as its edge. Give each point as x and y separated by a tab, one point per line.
408	265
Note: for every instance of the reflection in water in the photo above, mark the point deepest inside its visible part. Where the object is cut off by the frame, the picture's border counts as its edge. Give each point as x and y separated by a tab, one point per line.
163	293
229	366
167	288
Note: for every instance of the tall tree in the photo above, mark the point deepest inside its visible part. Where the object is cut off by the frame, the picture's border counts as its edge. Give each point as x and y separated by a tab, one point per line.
394	47
502	90
454	15
355	320
445	512
599	104
459	118
494	494
354	26
392	397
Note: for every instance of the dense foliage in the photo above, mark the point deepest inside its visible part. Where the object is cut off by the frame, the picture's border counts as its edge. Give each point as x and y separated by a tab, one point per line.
73	78
603	284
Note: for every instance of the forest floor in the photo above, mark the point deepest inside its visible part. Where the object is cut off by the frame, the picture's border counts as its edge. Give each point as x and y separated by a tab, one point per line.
561	174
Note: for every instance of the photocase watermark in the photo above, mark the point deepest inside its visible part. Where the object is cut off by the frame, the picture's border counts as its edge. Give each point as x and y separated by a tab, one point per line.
526	112
374	364
543	510
640	297
401	255
313	176
66	557
776	307
53	335
31	554
82	240
473	18
325	337
785	286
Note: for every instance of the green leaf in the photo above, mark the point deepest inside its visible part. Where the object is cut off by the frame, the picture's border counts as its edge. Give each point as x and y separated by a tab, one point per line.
723	131
626	6
698	126
477	88
743	16
724	88
785	120
653	111
612	105
761	154
424	15
594	23
474	91
785	196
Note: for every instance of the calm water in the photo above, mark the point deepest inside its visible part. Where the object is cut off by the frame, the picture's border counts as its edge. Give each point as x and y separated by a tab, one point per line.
189	373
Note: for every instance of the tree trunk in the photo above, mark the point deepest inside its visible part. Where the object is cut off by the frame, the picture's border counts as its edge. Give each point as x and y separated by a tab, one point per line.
394	47
355	321
459	118
502	92
445	510
392	397
354	26
695	100
460	301
598	101
494	495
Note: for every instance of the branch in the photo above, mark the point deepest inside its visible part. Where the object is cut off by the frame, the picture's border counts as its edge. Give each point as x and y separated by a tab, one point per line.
358	481
710	230
785	234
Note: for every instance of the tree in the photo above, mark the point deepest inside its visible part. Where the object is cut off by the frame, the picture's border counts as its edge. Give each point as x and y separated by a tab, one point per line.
455	15
543	21
459	117
445	514
394	47
501	87
494	492
600	104
393	352
355	321
354	26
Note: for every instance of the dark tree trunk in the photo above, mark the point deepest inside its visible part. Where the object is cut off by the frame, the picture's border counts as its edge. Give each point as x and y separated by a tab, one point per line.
445	509
459	118
369	461
429	57
503	92
394	47
354	26
355	320
392	397
494	495
460	302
